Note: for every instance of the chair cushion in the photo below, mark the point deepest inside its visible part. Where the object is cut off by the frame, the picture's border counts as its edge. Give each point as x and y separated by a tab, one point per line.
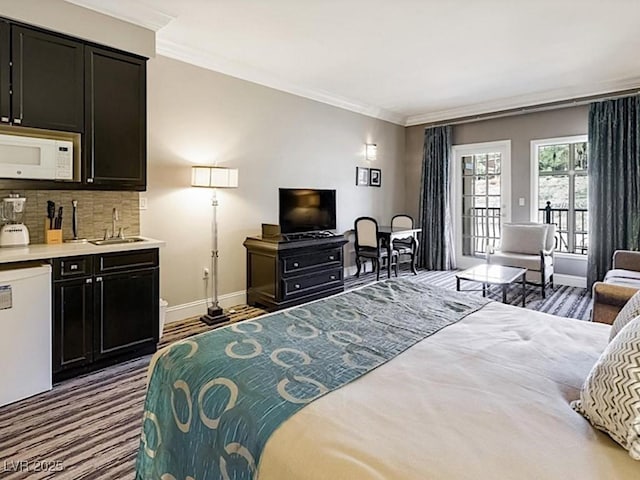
610	397
630	310
621	273
527	239
509	259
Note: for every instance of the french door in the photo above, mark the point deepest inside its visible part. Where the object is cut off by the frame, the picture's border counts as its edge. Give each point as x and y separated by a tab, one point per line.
482	198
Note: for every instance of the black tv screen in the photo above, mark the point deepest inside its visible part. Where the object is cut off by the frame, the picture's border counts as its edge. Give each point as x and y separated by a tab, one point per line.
307	210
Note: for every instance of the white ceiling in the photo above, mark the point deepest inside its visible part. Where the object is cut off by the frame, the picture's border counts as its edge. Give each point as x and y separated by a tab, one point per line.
406	61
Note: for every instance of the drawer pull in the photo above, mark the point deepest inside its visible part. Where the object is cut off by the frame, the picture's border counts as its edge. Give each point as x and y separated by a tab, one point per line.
88	280
296	286
333	277
73	267
98	279
331	257
296	264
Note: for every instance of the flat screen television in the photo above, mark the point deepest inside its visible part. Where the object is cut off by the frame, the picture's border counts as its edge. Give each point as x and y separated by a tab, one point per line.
307	210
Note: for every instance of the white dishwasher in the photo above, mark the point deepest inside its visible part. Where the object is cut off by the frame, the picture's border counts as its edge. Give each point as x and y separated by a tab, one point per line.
25	331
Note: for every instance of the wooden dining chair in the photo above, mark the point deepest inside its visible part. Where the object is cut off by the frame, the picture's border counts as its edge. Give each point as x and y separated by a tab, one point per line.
405	246
368	247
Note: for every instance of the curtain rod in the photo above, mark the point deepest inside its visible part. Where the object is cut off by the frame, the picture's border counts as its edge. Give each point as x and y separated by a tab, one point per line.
542	107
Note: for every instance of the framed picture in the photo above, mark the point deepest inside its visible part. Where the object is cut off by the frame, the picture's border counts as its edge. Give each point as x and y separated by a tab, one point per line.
362	176
375	177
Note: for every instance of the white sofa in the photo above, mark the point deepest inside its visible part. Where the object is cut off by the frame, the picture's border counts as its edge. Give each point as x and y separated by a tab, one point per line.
530	246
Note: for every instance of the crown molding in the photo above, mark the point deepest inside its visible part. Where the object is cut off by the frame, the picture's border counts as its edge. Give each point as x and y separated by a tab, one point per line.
524	101
223	65
131	11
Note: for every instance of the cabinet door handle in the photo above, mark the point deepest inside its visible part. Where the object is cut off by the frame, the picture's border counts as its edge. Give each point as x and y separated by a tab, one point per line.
88	280
296	264
98	279
333	277
297	285
73	267
17	121
331	257
4	119
89	180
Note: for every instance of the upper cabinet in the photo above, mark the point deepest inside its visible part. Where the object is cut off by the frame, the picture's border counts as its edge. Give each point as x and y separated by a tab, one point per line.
115	114
47	81
53	82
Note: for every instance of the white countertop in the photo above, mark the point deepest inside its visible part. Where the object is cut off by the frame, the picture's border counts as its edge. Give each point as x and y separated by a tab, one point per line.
44	251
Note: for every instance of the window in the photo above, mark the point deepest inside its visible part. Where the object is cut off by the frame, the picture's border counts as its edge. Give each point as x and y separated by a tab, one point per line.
559	189
482	196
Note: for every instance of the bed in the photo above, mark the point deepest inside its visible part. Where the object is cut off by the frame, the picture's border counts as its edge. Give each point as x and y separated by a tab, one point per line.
396	380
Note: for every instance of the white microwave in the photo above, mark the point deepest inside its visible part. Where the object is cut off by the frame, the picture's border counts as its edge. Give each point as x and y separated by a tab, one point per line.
35	158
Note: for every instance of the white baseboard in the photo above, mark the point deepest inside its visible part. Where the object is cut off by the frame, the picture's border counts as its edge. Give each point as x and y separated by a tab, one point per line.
176	313
569	280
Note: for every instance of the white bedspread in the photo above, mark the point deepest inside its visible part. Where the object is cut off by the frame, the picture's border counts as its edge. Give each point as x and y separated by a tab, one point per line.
487	398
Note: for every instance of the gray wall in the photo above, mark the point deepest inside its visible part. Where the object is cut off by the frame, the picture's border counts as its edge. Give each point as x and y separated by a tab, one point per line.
520	129
275	139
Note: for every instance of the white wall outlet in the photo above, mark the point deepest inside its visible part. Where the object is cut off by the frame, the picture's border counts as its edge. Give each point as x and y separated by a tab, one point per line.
142	203
205	272
521	201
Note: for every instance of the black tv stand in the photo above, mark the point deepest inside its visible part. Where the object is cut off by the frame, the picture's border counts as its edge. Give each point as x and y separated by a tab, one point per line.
284	272
292	237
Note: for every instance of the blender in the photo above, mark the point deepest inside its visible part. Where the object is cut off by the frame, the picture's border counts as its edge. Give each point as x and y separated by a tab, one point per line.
13	232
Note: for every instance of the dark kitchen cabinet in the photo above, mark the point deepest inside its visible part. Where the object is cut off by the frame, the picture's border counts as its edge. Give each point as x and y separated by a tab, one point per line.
126	311
115	114
106	309
72	323
47	76
5	72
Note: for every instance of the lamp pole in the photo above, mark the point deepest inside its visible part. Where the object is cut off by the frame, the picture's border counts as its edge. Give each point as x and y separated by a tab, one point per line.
214	313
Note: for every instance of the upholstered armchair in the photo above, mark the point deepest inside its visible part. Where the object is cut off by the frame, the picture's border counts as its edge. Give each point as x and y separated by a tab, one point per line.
530	246
619	285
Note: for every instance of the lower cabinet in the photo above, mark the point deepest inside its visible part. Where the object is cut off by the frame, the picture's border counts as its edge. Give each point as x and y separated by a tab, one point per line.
105	309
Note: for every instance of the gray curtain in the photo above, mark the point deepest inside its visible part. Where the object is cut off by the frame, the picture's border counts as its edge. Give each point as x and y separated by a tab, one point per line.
436	246
614	181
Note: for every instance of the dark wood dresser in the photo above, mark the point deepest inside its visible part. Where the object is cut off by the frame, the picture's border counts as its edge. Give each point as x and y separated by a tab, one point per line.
282	273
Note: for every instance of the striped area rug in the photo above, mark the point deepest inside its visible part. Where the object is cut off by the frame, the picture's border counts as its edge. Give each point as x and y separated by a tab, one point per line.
89	427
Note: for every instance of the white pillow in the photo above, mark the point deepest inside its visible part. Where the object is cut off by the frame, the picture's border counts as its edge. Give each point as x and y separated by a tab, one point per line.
610	396
528	239
630	310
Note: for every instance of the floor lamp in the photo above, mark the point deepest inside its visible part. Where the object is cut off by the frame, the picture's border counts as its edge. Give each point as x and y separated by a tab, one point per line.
214	177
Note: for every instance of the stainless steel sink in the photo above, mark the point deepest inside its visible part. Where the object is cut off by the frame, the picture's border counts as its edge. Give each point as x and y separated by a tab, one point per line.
116	241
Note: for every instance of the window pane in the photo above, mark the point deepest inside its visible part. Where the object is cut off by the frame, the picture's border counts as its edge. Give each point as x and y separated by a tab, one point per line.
553	158
494	202
467	165
581	155
555	189
581	183
480	185
493	163
494	185
467	185
481	164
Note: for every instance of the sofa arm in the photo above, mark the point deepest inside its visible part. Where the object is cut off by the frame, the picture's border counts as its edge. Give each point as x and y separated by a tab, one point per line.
608	300
626	260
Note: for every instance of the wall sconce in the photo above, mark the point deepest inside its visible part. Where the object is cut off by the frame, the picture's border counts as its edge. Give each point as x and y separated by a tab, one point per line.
371	151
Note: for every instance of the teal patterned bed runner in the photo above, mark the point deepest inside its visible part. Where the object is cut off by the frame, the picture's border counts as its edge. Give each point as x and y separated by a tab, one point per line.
214	399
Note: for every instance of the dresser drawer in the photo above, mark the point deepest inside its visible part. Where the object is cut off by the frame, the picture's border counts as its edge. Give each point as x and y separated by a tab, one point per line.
302	285
329	258
72	267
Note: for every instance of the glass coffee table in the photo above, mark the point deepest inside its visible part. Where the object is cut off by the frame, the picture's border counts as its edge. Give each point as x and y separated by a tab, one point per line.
494	275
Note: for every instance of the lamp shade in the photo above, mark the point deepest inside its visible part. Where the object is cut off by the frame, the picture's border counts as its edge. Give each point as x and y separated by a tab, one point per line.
214	177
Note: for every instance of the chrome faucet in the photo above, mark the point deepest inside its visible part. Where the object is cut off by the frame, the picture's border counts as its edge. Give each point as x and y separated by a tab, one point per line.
114	219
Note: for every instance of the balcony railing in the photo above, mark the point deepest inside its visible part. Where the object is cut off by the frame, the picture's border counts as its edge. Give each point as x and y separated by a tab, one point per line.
484	226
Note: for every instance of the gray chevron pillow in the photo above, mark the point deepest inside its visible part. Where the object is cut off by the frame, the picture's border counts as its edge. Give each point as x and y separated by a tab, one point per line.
610	396
630	311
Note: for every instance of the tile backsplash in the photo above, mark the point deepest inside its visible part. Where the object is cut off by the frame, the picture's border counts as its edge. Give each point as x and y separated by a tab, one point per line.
94	211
